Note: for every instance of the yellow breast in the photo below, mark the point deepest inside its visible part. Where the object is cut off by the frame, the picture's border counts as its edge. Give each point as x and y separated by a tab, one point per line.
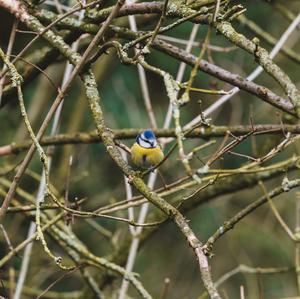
146	157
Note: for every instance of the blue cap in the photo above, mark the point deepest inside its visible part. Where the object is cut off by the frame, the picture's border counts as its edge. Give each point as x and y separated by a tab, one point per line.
148	134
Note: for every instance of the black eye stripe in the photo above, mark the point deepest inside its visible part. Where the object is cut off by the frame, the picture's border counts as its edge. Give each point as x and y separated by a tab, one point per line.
145	140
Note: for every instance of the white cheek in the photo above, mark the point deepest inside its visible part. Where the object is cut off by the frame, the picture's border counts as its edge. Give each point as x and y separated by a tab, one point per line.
144	144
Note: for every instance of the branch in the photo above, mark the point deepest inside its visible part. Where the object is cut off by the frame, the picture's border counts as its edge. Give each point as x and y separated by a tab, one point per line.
270	39
203	133
260	91
229	224
262	57
138	183
39	59
222	187
236	80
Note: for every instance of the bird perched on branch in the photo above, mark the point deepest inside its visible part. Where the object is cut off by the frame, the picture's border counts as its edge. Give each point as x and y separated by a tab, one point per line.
146	153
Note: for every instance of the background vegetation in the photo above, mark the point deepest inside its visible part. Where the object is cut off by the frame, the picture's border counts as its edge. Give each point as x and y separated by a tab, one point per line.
238	162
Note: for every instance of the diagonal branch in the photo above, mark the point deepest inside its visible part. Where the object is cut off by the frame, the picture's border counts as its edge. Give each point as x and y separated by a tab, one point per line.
229	224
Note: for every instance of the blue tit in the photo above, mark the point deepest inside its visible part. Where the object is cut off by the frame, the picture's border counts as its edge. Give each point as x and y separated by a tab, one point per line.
146	153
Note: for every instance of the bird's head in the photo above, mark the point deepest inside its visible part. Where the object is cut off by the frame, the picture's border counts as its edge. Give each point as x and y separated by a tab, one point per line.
147	139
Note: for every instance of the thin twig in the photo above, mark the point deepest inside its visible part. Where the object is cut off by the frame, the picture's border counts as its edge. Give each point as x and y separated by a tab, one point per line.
8	52
276	213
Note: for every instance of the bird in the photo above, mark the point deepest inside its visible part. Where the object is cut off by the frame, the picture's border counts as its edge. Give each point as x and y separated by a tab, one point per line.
146	152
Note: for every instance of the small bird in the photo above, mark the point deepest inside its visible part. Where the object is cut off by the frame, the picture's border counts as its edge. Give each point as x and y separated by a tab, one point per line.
146	153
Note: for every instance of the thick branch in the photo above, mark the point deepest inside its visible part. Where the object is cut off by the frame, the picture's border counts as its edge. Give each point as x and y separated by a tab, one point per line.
260	91
236	80
221	187
262	57
204	132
